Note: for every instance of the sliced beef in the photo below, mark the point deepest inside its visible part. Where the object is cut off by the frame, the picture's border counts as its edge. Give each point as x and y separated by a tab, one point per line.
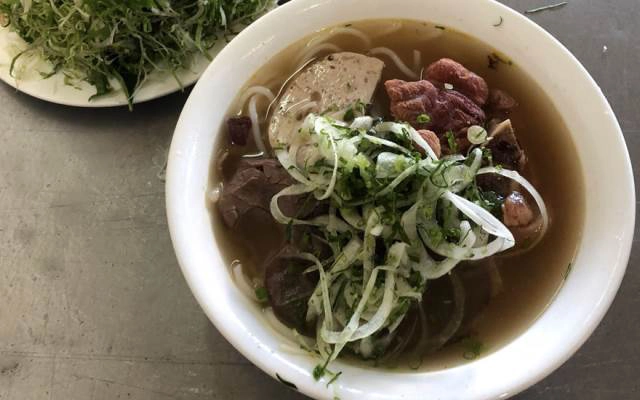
500	103
288	287
516	211
432	140
239	129
464	81
249	191
504	146
448	110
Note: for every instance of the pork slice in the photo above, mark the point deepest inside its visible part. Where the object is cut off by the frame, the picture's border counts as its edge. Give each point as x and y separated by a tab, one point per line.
332	84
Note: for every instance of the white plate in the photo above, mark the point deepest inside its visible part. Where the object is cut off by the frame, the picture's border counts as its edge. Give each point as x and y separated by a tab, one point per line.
55	90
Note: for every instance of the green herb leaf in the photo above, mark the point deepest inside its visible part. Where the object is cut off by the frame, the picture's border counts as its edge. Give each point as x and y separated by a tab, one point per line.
473	347
423	119
262	294
102	40
451	140
286	382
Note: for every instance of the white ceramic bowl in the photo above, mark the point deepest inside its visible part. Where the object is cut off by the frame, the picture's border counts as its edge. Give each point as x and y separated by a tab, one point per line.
576	311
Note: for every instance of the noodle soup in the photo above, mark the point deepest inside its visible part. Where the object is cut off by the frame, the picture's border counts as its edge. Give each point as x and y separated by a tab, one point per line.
425	225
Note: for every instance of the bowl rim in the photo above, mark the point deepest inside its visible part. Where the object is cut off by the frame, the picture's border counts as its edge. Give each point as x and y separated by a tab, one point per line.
179	166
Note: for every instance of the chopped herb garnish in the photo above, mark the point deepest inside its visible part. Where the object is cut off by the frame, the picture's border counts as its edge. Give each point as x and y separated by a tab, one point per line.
423	119
548	7
289	232
349	115
124	41
286	382
566	273
334	378
472	348
440	27
495	59
499	23
451	141
262	294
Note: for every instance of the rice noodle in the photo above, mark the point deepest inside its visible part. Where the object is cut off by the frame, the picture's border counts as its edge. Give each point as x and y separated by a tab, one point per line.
366	41
257	90
310	54
394	57
255	125
417	60
303	107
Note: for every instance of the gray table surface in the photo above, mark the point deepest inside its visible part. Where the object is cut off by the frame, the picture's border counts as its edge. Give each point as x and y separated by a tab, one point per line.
93	305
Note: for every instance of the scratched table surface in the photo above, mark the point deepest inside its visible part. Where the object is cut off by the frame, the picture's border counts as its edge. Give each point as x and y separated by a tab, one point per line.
93	305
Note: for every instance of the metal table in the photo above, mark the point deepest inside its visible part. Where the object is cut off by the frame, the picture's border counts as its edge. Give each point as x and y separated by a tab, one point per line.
93	305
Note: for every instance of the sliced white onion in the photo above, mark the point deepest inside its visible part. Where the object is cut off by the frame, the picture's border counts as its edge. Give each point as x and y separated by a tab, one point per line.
480	216
352	217
382	313
398	180
385	142
419	140
324	286
476	134
344	335
365	122
467	240
334	176
293	190
284	157
255	124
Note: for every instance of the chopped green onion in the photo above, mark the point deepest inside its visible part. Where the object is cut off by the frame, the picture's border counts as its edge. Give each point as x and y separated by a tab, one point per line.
109	41
451	140
262	295
476	134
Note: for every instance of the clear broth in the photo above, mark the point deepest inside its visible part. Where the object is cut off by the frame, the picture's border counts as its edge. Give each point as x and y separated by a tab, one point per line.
530	280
